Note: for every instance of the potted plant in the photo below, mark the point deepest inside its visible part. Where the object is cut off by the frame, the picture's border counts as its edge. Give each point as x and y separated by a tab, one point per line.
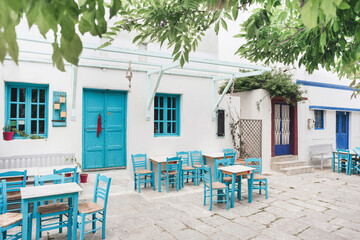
83	176
8	133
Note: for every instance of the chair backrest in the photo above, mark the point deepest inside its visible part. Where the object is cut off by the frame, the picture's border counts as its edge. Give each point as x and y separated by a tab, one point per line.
3	197
74	177
196	157
218	163
185	158
357	151
207	176
231	156
139	161
228	150
14	180
254	163
173	164
102	192
343	154
54	178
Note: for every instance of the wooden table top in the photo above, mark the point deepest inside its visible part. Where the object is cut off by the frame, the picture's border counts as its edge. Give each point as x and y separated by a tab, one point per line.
236	169
214	155
159	159
49	190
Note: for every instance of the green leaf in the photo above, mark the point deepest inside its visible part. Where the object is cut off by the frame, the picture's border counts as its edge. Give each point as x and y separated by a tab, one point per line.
344	5
104	45
216	28
182	61
67	28
223	24
357	7
323	41
71	49
309	14
115	7
177	47
235	12
57	57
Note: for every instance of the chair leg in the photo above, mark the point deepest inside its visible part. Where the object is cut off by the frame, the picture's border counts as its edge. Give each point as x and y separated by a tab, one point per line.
153	180
3	235
69	224
211	197
135	179
38	226
30	225
227	198
60	220
103	226
260	187
139	182
167	183
266	189
82	226
204	196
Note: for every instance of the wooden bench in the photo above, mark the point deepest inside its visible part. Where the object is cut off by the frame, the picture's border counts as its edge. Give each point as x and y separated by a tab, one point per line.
321	152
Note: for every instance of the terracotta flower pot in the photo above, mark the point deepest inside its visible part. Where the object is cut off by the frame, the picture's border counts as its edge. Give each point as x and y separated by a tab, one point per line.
83	177
67	174
8	136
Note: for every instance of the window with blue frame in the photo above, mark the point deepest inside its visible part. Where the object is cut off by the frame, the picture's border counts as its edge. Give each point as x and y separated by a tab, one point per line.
27	108
319	119
167	115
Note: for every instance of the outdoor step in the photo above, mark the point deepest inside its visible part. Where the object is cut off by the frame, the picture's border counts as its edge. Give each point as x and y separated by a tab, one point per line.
277	166
284	158
297	170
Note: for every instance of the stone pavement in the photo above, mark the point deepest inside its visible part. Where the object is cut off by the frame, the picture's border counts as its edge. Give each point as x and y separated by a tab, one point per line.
320	205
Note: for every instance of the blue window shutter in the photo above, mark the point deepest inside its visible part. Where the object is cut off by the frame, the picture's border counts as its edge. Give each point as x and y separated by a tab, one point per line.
166	115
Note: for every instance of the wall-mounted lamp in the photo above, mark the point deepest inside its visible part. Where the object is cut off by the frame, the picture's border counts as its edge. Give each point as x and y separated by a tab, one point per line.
310	123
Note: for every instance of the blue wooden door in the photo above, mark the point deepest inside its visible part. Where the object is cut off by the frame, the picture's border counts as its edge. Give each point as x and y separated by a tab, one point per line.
342	130
282	129
109	149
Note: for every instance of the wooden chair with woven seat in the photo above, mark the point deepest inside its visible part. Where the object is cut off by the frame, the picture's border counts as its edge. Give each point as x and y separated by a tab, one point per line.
9	220
14	181
187	171
344	160
172	173
259	182
94	208
141	173
197	162
71	174
210	187
45	212
356	166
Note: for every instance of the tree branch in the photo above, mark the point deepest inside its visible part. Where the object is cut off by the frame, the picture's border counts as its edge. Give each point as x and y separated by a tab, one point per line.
292	36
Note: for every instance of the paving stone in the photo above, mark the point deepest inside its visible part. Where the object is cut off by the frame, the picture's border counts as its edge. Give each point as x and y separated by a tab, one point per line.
189	234
288	206
318	234
262	237
249	223
292	227
238	231
262	217
347	233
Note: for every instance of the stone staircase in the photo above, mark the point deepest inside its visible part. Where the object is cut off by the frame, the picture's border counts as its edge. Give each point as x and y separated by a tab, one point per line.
290	165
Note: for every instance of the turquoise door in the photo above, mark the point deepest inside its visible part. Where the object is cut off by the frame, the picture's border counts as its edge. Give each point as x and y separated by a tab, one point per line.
109	148
342	130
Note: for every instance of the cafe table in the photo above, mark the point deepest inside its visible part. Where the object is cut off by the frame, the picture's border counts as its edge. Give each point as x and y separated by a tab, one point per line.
35	194
354	156
213	156
39	171
159	160
237	170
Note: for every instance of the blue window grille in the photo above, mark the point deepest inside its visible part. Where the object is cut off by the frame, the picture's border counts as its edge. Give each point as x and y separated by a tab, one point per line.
319	119
26	108
167	115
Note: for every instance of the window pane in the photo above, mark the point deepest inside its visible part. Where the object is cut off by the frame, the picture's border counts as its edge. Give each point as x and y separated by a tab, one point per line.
13	110
156	114
42	95
34	93
174	103
33	111
21	110
21	126
41	111
41	127
156	101
13	124
33	126
174	127
168	114
169	102
168	128
174	115
14	94
22	95
161	99
161	114
156	127
161	130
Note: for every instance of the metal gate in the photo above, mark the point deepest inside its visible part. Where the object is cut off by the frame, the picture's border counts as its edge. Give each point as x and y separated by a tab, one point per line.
282	129
250	138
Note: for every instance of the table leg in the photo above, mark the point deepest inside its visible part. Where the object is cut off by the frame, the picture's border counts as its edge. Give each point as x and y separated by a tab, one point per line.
204	161
250	186
233	190
333	162
216	172
151	166
75	213
159	176
25	219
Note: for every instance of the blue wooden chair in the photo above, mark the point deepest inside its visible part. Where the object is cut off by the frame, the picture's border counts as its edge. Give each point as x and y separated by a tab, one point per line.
96	210
14	181
52	210
72	171
9	220
228	150
172	173
210	187
344	160
231	156
197	163
187	172
356	166
141	173
259	182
